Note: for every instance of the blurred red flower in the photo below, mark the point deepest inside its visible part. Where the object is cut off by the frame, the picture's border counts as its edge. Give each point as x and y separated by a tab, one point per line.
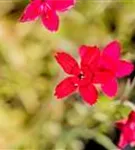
127	128
47	10
110	59
83	77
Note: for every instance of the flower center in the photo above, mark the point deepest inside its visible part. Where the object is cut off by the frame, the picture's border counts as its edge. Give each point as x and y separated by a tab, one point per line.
81	76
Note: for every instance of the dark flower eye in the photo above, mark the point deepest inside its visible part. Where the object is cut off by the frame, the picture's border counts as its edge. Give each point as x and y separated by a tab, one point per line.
81	76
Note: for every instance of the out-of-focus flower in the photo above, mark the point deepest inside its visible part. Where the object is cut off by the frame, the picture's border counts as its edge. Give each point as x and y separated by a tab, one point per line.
47	10
110	59
83	77
127	128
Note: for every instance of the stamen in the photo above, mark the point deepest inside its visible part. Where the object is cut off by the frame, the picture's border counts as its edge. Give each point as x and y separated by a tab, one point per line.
76	85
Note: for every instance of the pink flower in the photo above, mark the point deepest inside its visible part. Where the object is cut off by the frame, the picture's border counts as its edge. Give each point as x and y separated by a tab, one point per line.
47	11
84	77
127	128
110	59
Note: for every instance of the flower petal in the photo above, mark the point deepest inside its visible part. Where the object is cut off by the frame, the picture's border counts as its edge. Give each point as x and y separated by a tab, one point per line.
31	12
120	124
122	142
108	63
102	77
124	68
112	50
127	128
61	5
89	94
110	88
50	19
68	63
66	87
90	56
131	117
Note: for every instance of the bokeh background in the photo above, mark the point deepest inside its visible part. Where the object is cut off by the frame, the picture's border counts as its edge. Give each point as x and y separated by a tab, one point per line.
31	118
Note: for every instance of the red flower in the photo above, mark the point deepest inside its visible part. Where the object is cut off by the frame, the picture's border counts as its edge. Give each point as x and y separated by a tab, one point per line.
47	10
83	77
127	128
110	59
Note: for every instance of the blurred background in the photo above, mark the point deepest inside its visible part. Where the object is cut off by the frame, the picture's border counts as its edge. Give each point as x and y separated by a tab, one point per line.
31	118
